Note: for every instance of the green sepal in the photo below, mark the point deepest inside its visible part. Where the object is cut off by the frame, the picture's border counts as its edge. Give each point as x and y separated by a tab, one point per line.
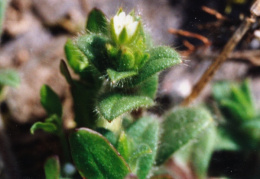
9	77
52	168
137	37
97	22
50	101
140	59
111	106
179	128
95	157
144	131
123	36
112	31
125	60
115	76
76	59
119	11
160	59
45	126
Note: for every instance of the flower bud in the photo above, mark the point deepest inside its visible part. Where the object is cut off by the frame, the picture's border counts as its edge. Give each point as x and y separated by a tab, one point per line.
124	27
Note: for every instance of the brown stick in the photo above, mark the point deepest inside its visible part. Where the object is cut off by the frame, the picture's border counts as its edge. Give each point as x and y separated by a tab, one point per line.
228	48
189	34
213	12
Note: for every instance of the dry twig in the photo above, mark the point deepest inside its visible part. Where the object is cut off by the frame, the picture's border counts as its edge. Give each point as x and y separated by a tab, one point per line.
185	33
228	48
213	12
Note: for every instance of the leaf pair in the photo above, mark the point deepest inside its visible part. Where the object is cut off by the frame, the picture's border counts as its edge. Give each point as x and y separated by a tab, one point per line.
51	103
95	157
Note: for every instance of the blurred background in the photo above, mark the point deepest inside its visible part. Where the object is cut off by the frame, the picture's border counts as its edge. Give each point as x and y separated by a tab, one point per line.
35	31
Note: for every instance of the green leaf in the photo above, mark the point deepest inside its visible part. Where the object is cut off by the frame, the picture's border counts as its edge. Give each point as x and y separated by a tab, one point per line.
144	131
202	151
95	157
221	90
252	130
97	22
148	87
94	47
65	72
76	59
45	126
245	87
113	105
224	140
235	101
109	135
9	77
179	128
161	58
84	96
236	111
52	168
55	119
141	151
50	101
124	146
115	76
3	4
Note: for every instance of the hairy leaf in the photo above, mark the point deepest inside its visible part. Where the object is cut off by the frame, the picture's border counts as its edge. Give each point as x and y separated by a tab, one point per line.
202	151
113	105
124	146
97	22
94	48
161	58
95	157
115	76
148	87
180	127
76	59
144	131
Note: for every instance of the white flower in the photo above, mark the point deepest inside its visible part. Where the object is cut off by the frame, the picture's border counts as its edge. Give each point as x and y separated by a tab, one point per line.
122	21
